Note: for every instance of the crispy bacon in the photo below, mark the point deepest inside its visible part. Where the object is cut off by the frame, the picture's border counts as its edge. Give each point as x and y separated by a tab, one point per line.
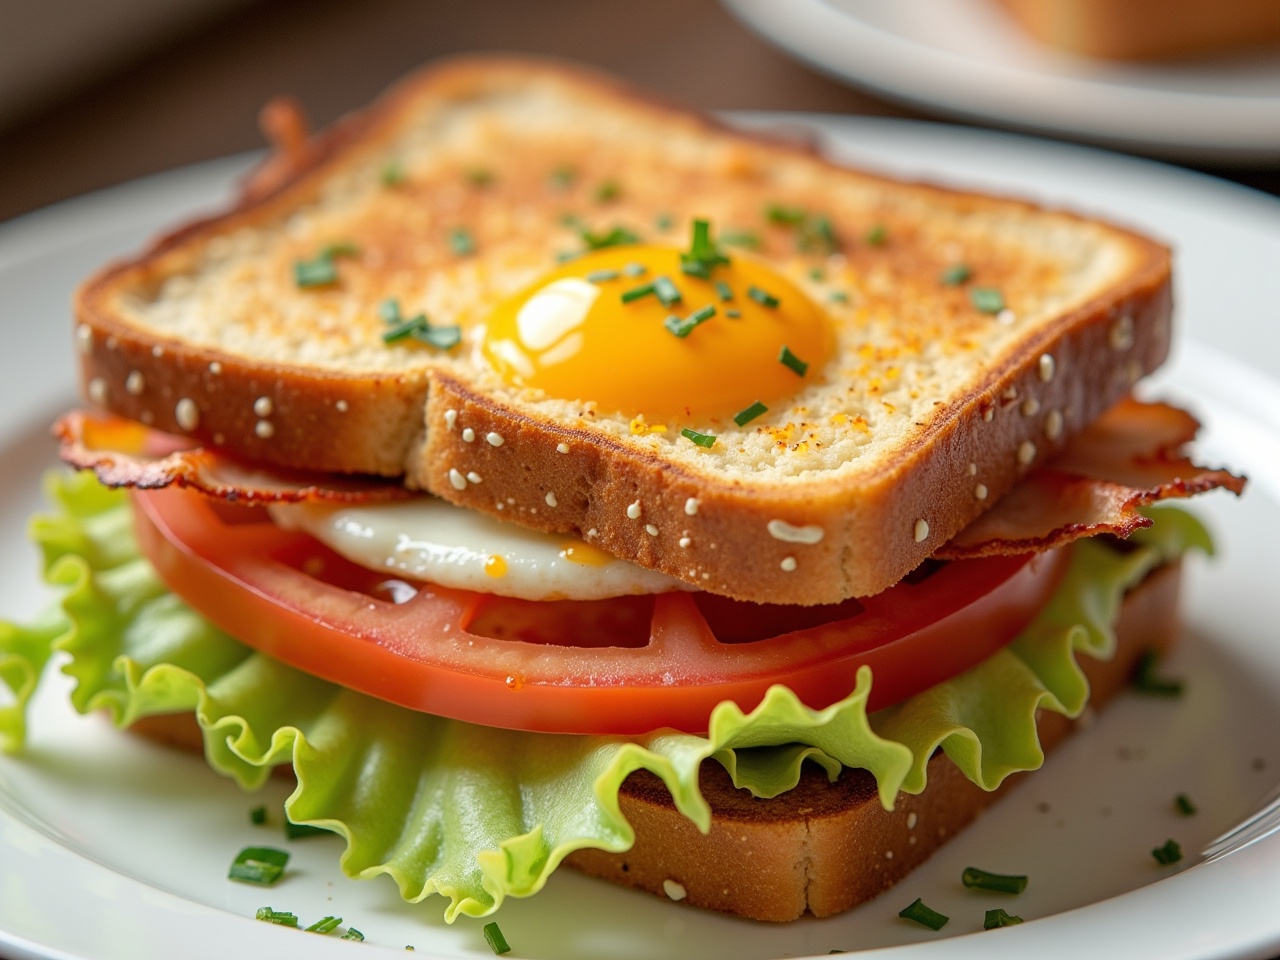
1130	457
127	454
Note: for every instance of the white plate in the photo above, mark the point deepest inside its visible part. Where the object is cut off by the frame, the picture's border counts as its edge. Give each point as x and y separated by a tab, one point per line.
113	848
967	58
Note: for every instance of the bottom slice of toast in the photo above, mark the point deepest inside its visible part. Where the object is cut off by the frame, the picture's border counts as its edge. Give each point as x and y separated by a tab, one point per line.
825	847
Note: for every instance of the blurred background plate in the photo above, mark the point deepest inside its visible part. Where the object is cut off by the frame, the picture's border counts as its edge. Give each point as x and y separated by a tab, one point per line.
967	58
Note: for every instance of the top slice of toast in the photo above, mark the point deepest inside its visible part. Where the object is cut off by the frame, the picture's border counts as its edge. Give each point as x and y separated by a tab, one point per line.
928	411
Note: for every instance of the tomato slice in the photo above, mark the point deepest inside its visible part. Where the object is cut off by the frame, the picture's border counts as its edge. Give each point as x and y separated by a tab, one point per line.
625	666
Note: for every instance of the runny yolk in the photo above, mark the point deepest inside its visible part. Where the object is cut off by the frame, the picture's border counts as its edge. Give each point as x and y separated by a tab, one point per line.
571	335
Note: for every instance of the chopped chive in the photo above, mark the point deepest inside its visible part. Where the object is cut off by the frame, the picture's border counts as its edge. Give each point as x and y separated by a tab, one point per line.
792	362
976	879
743	417
733	314
817	235
607	191
571	220
326	925
497	942
694	268
701	439
602	276
442	338
320	272
343	248
784	216
564	256
1146	681
746	239
616	237
1182	803
955	275
389	310
1171	852
297	831
461	241
562	178
817	274
987	299
664	221
723	289
392	174
703	255
353	934
666	291
998	918
878	235
282	917
258	815
762	297
260	865
635	293
682	328
479	177
838	296
404	329
923	915
635	269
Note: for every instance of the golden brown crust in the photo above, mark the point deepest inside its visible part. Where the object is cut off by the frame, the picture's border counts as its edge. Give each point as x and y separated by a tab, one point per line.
374	423
822	847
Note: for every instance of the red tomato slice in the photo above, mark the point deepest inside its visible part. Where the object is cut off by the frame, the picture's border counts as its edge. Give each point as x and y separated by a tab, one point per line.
625	666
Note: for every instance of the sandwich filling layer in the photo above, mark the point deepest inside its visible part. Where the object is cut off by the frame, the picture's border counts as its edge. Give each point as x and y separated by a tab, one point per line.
478	814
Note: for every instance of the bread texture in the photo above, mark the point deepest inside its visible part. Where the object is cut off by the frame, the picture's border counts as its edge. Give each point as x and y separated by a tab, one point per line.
926	399
1149	29
824	847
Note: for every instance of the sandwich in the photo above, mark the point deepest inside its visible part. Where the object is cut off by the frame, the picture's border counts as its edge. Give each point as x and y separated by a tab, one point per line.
545	474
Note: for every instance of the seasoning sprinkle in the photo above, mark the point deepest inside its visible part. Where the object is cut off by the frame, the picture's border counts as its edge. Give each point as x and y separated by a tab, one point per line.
743	417
792	362
701	439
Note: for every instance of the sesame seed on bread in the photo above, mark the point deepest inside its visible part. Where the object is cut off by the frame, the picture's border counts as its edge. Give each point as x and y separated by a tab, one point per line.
836	492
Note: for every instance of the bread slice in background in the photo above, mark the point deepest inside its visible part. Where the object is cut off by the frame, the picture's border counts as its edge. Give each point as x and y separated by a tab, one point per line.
926	402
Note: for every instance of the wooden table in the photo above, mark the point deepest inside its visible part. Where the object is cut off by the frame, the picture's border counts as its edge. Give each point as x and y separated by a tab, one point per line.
199	97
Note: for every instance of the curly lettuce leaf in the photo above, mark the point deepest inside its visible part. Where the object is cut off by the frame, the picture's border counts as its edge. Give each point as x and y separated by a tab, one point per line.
478	814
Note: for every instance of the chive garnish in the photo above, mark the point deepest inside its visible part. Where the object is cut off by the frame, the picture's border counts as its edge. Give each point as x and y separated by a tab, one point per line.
746	239
792	362
955	275
976	879
743	417
817	235
701	439
703	255
923	915
340	249
878	235
497	942
405	329
442	338
733	314
562	178
817	274
998	918
260	865
1171	852
258	815
664	221
682	328
571	220
838	296
282	917
389	310
480	177
607	191
784	216
326	925
392	174
722	288
1146	681
762	297
635	293
1182	803
296	831
616	237
635	269
320	272
461	241
666	291
987	299
602	276
353	934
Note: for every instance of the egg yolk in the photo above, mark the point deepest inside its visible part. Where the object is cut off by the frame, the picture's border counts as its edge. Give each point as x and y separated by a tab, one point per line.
608	327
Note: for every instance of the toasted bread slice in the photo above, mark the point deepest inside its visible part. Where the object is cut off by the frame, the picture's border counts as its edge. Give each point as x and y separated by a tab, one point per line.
927	412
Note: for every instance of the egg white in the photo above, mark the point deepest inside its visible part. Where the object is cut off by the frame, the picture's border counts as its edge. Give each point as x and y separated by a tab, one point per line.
432	540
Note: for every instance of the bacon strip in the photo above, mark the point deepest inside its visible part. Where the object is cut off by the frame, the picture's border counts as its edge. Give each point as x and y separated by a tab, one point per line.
1130	457
127	454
